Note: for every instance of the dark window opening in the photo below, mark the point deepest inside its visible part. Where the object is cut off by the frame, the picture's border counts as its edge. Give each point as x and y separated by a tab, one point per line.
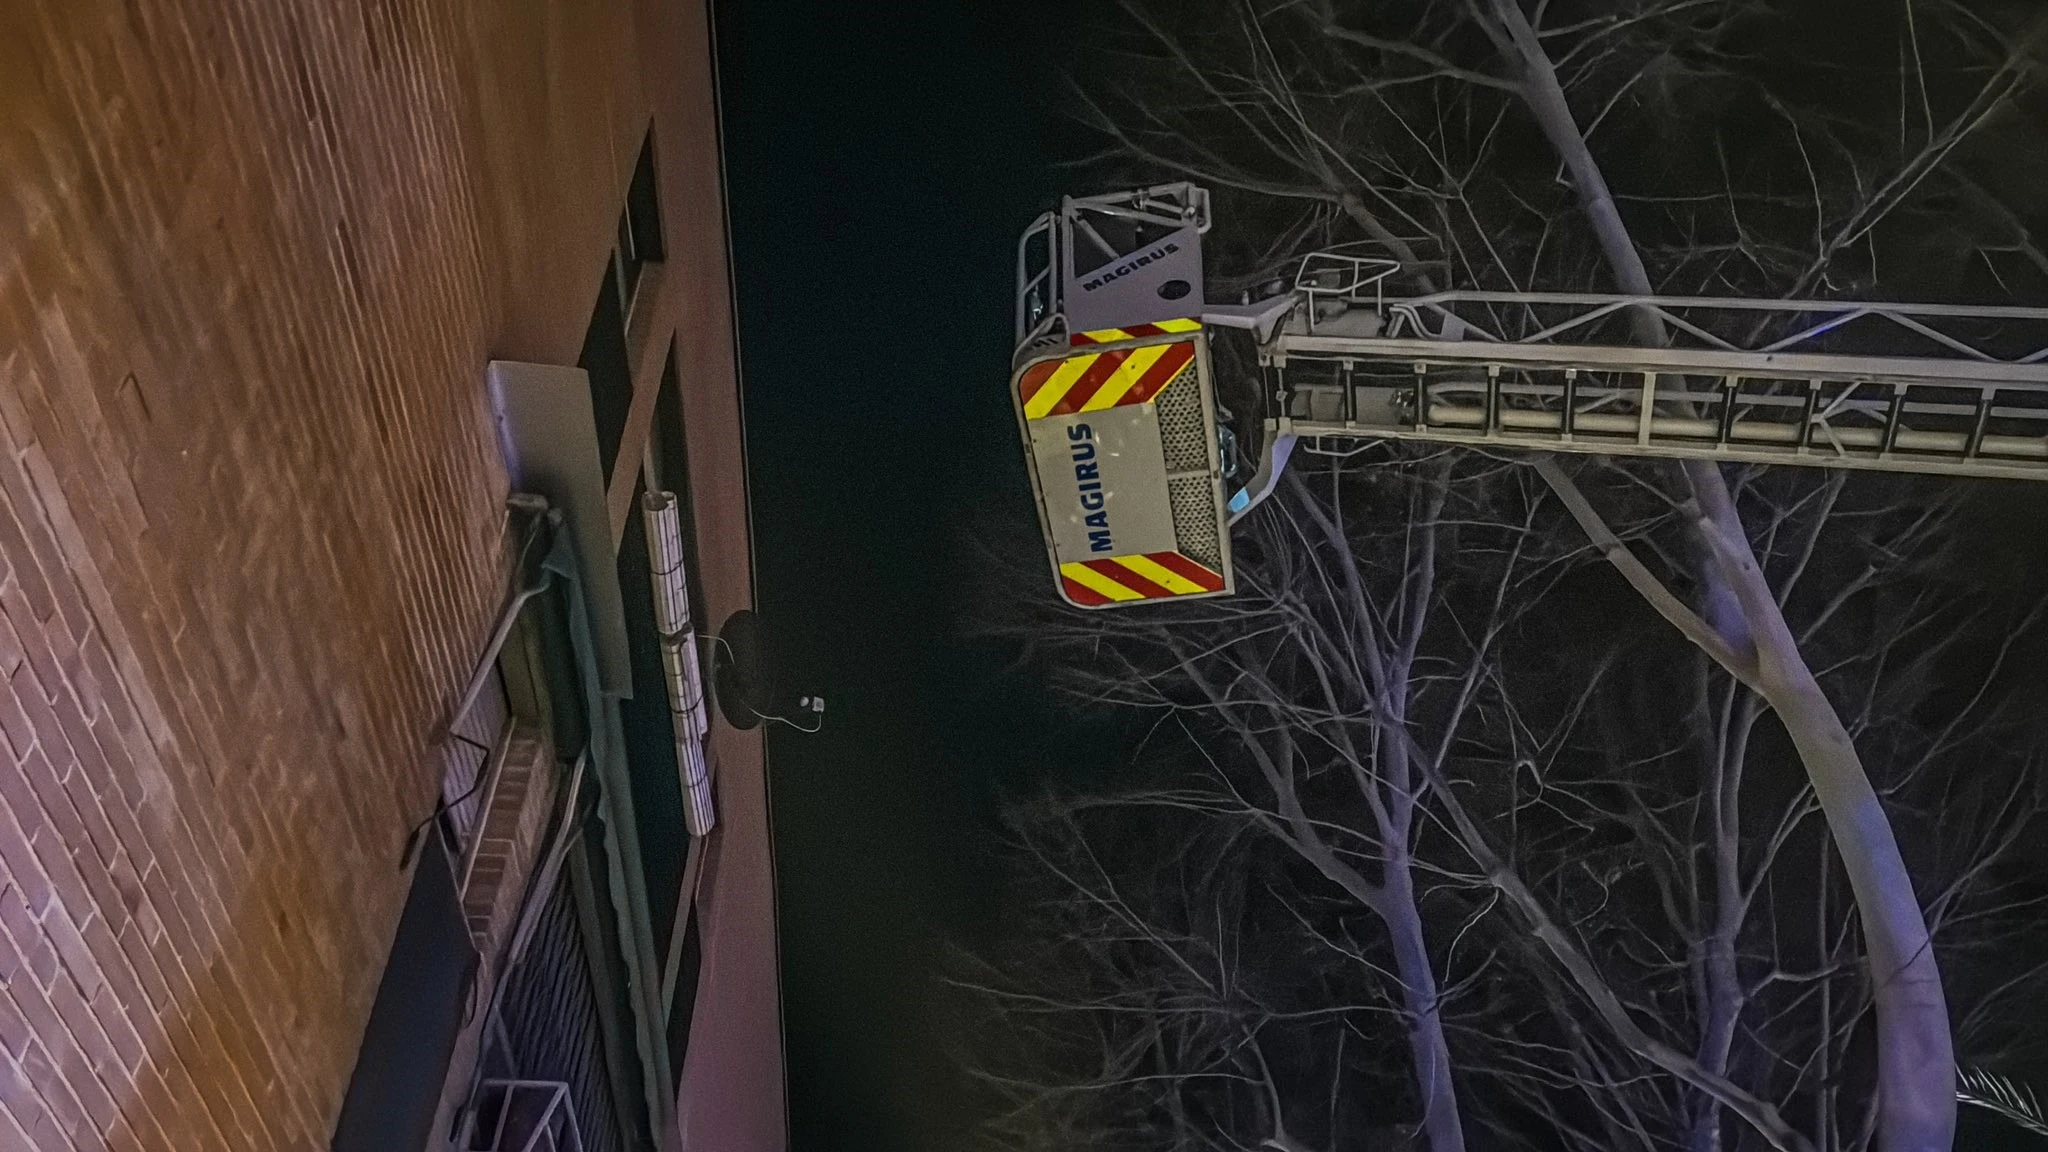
604	355
684	1001
628	264
640	239
611	374
671	453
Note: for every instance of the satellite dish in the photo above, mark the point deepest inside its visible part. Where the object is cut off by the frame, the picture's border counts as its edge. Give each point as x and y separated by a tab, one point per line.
739	671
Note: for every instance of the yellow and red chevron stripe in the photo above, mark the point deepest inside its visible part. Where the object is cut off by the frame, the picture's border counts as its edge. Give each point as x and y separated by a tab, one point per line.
1135	331
1146	576
1094	381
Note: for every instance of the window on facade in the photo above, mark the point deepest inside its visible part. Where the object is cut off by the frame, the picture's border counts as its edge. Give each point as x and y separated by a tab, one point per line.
646	718
648	727
671	452
610	370
683	1004
639	225
605	355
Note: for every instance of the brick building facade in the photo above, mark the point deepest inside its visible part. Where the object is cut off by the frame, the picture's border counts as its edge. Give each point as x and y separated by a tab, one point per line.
254	261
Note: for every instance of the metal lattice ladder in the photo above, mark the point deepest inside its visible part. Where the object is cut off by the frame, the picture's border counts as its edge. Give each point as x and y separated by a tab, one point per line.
1947	389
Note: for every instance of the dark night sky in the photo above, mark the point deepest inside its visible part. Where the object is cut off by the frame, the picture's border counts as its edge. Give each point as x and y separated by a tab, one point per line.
882	158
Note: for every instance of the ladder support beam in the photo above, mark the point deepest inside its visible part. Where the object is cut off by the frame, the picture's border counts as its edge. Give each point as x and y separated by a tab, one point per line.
1675	448
1667	361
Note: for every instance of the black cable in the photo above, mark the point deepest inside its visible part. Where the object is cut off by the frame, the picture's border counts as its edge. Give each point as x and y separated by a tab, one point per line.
758	714
478	745
412	838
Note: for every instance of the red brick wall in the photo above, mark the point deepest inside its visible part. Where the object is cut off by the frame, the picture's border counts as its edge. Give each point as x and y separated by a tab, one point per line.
253	258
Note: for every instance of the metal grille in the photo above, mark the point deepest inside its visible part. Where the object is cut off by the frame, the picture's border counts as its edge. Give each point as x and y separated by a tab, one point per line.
1182	431
1194	520
550	1016
1184	437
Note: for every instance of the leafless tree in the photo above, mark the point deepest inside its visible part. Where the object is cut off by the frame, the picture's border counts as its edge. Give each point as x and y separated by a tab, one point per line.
1217	950
1782	998
1476	141
1308	685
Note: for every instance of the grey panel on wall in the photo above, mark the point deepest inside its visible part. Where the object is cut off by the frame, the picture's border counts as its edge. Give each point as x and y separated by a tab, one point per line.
548	433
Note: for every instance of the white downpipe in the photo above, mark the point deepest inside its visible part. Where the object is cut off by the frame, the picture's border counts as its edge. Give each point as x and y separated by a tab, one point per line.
679	661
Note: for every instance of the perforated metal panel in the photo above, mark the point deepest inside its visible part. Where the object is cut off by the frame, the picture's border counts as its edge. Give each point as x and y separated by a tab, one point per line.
1181	429
1184	434
1194	520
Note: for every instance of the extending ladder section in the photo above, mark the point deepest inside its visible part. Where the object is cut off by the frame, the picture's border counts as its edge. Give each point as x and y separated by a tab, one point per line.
1917	388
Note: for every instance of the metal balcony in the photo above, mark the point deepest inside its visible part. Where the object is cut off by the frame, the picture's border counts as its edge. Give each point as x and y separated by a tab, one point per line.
522	1116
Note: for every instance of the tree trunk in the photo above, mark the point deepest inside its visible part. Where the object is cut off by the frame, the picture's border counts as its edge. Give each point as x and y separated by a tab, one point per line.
1420	996
1724	1003
1916	1058
1915	1055
1727	750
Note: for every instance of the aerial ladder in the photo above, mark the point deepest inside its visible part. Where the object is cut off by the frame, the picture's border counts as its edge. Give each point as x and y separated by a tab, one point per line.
1133	462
